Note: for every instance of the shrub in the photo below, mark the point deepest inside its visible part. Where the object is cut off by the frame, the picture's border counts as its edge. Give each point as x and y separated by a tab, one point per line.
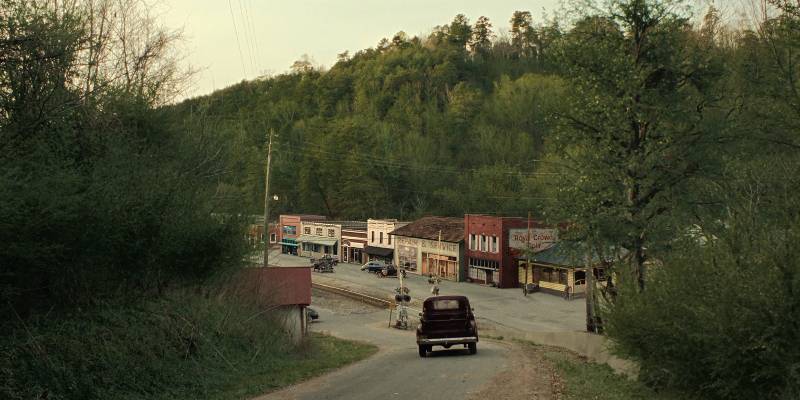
721	320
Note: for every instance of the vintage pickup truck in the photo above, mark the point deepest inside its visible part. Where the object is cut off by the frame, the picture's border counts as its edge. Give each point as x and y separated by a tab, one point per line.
445	321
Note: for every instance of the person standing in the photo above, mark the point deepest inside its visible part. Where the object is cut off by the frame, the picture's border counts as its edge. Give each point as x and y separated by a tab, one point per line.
566	292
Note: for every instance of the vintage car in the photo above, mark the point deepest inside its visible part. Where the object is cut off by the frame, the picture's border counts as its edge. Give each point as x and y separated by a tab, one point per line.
446	321
324	263
373	266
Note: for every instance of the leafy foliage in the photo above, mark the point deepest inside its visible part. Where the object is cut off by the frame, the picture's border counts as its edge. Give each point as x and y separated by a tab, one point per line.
403	129
181	346
98	197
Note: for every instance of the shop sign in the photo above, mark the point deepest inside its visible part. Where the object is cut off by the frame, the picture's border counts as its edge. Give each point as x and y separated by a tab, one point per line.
428	244
540	239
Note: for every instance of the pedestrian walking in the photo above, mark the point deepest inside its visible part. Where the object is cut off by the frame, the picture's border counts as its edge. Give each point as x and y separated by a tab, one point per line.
435	289
566	292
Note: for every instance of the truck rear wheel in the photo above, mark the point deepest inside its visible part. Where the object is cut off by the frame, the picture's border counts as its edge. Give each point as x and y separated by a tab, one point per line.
473	348
423	350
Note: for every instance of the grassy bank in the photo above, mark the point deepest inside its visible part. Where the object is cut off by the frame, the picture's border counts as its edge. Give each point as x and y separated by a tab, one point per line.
182	346
583	379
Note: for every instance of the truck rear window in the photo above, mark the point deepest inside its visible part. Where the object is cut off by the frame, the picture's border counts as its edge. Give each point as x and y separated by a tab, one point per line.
445	305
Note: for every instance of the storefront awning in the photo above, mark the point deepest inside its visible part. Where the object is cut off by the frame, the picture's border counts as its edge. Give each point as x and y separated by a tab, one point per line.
317	240
288	244
378	251
356	245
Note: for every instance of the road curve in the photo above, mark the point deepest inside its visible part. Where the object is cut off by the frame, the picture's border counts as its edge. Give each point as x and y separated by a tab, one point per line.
396	371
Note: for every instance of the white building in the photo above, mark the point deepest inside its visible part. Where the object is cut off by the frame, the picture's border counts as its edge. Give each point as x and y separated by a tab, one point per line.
319	238
380	244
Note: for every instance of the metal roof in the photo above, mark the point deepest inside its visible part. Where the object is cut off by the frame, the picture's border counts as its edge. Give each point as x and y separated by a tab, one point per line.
573	254
452	229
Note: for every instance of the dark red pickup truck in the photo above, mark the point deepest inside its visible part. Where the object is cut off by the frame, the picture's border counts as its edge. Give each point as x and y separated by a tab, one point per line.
445	321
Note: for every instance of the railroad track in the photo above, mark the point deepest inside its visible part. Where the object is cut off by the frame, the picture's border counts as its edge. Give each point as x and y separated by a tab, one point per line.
364	298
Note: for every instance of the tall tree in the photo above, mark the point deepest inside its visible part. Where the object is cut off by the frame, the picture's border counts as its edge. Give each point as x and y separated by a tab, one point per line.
460	31
637	132
522	33
481	41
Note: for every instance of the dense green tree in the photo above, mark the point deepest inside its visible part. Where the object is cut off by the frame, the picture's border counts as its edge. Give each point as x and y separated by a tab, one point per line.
99	197
481	40
637	133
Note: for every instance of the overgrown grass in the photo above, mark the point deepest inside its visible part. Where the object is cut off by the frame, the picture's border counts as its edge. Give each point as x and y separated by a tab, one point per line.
180	347
584	380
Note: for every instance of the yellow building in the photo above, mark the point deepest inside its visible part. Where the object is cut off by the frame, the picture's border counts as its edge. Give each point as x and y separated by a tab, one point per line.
562	266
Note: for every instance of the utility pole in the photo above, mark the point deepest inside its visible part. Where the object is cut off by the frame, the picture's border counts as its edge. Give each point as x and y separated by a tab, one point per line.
528	255
591	321
439	255
266	201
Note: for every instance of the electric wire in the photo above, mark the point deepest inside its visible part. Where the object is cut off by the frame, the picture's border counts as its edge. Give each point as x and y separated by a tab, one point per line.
248	40
379	161
238	43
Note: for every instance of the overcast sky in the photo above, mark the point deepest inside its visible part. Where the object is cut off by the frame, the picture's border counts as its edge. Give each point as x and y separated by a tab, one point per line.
272	34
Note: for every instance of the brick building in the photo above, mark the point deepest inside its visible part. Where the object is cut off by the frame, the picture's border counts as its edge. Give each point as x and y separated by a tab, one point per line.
290	228
489	259
353	242
495	248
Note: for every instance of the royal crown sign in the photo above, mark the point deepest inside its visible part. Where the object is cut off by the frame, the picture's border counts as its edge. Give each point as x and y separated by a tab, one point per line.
540	239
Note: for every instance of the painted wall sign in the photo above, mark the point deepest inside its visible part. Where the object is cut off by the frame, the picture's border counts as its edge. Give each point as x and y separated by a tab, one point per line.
428	244
541	239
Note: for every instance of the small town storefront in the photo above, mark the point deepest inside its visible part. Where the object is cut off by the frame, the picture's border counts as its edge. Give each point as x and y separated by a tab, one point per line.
443	266
289	230
289	246
482	271
315	247
558	268
375	253
429	257
352	251
432	246
354	239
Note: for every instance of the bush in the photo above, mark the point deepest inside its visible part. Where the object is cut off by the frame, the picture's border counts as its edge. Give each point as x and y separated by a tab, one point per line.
180	346
721	320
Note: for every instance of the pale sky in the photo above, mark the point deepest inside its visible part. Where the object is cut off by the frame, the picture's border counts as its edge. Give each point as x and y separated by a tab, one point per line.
273	34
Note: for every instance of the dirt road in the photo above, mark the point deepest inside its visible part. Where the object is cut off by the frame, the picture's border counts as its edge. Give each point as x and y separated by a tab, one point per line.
397	371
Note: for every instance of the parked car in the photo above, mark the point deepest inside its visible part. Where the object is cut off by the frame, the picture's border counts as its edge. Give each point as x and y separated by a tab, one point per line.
446	321
373	266
388	270
311	314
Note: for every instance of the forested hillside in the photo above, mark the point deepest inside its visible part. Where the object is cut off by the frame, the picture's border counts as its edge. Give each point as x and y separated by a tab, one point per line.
644	126
447	123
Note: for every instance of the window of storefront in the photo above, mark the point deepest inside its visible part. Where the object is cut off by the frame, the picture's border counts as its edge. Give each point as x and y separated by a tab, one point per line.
495	248
440	265
381	238
290	230
389	238
472	244
554	275
580	277
477	262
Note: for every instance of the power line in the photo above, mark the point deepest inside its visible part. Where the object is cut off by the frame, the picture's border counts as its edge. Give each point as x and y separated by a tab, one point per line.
253	32
248	40
238	44
397	164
